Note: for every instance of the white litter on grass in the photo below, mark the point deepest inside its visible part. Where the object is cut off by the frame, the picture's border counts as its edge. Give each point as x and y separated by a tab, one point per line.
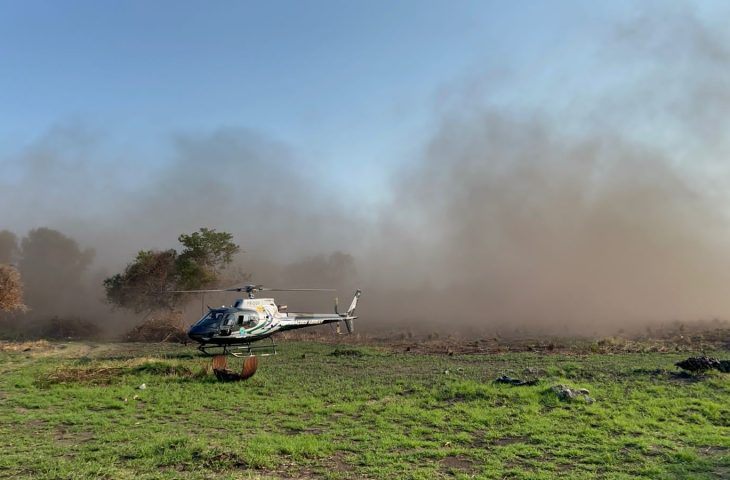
142	387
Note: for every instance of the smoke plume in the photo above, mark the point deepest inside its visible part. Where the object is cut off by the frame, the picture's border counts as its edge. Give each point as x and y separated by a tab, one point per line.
606	212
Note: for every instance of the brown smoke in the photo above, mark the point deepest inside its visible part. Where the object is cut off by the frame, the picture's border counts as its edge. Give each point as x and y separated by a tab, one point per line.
604	213
508	223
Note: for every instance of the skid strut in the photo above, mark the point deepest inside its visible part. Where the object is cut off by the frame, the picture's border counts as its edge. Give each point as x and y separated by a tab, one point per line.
242	350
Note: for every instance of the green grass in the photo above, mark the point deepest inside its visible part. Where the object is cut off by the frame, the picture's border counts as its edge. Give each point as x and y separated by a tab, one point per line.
372	414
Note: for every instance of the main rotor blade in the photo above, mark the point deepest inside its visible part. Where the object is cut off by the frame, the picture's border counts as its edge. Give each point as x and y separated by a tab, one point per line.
254	288
195	291
298	289
232	289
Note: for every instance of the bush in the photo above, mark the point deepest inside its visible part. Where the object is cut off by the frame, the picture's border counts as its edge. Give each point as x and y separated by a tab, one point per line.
11	290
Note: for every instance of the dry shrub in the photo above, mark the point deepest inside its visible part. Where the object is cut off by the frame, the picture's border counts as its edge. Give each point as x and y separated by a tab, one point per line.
11	290
160	327
97	375
105	374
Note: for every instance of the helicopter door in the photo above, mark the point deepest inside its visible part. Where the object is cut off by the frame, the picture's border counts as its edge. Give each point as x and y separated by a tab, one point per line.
247	321
227	325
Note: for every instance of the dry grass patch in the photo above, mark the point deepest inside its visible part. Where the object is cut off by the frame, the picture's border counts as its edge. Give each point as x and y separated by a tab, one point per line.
14	347
106	373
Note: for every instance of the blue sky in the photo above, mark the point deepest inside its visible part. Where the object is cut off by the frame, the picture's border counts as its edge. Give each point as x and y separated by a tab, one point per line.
348	83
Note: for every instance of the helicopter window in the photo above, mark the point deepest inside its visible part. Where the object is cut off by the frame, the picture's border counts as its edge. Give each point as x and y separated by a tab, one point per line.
240	320
250	321
229	320
211	319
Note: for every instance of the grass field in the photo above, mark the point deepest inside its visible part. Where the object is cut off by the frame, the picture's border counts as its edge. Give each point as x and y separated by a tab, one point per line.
321	411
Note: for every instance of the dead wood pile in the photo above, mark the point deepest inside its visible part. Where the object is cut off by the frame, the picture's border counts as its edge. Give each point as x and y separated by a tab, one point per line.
704	363
160	327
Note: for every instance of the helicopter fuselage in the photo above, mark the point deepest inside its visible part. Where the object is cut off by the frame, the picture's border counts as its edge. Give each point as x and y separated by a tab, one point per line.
253	319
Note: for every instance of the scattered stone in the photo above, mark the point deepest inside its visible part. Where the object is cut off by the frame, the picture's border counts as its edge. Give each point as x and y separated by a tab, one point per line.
563	392
142	387
568	394
516	381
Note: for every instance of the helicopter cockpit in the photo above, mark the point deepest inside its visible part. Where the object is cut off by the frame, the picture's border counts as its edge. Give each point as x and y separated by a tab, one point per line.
211	320
224	322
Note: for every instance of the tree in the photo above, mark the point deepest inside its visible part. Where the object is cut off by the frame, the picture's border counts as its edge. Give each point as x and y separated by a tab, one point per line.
205	255
52	266
199	265
11	290
9	251
140	286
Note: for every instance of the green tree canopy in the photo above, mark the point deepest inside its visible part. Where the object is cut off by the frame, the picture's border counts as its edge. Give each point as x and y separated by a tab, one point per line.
141	286
206	253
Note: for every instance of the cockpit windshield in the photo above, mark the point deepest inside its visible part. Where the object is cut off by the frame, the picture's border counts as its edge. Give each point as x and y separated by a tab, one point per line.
213	318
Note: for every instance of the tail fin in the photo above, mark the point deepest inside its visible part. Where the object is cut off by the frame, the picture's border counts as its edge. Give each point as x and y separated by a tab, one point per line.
348	317
353	305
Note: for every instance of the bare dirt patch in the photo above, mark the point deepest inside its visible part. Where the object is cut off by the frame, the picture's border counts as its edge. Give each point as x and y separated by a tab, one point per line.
338	463
510	440
69	437
457	463
712	450
674	337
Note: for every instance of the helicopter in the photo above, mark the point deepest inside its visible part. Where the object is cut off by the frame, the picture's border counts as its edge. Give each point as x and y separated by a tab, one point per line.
233	330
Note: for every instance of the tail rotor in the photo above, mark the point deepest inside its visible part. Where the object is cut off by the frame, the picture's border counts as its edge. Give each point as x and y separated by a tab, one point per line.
349	316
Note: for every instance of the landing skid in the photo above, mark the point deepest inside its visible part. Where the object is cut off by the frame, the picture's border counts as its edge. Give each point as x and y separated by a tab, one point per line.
242	350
